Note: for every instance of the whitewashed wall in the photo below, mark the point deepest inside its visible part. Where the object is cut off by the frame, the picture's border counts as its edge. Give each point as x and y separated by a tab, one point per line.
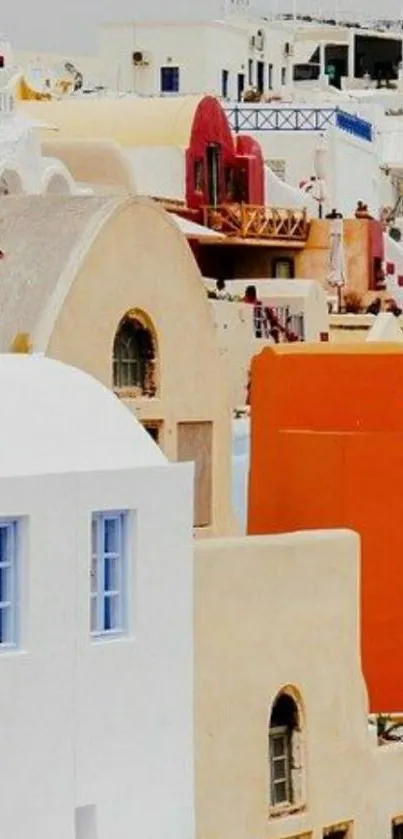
102	725
200	50
352	173
295	148
159	171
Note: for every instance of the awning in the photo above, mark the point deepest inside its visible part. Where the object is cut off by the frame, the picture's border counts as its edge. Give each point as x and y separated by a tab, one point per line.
195	231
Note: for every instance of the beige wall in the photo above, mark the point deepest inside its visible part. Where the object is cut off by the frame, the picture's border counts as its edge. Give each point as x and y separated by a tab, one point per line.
237	344
271	612
353	329
95	162
139	260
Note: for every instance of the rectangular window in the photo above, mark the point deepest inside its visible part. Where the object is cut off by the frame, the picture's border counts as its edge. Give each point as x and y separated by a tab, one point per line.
270	76
169	79
8	583
224	83
250	71
280	766
109	573
284	76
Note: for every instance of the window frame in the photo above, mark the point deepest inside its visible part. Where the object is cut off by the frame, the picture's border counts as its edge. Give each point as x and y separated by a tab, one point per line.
100	593
12	564
275	734
173	72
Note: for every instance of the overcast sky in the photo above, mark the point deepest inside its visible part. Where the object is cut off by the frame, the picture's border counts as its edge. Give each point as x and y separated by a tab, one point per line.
70	25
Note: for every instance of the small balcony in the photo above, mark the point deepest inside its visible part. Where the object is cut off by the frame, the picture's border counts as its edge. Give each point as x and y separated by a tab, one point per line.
246	221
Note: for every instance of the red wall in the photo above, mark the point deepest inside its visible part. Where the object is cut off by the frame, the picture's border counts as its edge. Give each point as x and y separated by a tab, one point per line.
249	154
327	452
210	126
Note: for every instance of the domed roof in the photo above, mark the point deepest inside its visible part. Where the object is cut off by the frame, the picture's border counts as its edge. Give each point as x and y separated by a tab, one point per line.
54	418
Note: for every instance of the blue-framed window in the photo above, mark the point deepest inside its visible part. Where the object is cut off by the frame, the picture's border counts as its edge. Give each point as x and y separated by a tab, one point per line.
109	573
8	583
170	79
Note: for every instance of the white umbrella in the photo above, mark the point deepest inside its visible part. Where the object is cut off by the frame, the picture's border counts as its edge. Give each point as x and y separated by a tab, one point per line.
337	272
320	165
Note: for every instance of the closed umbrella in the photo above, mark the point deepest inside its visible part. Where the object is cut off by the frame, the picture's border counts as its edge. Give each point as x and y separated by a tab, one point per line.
337	273
319	165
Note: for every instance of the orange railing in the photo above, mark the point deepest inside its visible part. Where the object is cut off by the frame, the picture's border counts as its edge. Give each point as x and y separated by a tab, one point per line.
246	221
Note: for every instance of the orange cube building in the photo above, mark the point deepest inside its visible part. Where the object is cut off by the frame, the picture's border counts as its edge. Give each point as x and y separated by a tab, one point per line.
327	452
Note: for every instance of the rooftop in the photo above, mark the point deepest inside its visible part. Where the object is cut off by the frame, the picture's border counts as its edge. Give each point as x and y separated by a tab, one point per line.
57	419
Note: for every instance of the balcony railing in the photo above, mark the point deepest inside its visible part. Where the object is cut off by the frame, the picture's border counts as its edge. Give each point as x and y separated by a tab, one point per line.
245	221
266	118
276	323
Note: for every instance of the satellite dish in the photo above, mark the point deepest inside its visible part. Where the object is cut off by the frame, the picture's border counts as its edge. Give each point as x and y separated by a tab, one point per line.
395	234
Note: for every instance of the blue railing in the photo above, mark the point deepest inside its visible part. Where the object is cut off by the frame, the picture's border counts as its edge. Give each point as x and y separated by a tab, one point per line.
265	118
354	125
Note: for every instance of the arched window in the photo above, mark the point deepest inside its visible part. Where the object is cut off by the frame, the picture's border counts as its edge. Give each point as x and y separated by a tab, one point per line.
134	358
285	753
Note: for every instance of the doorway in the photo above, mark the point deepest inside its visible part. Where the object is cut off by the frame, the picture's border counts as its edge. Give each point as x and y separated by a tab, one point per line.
213	174
240	86
195	442
260	68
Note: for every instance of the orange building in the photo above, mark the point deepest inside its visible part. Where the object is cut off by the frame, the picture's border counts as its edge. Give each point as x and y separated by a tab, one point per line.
327	452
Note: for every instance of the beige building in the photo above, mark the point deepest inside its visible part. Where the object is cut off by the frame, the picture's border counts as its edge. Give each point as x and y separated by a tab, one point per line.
283	747
108	284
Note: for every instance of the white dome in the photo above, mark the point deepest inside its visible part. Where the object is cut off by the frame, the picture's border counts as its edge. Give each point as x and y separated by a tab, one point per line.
55	418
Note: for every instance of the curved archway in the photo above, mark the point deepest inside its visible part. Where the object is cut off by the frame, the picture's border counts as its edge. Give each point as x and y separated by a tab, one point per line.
286	751
10	182
57	185
135	355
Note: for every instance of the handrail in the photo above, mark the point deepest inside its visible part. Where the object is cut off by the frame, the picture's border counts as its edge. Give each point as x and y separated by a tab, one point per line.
247	221
295	118
284	118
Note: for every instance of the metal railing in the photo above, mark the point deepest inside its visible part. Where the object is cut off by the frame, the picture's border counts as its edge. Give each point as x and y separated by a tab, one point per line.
246	221
267	118
276	323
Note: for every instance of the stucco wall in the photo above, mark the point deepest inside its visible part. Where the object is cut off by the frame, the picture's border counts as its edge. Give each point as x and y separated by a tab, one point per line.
271	612
349	154
337	456
313	261
140	260
88	724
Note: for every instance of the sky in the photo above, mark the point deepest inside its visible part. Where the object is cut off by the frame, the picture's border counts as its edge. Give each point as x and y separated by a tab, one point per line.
70	25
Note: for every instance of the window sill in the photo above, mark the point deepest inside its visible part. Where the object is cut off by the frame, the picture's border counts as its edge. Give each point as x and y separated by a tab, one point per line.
281	811
107	637
134	393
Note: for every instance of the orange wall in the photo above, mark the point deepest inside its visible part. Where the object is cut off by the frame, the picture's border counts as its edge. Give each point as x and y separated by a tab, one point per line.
313	261
327	451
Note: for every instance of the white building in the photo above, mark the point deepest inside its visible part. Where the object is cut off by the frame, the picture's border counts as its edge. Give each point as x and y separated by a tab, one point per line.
96	639
221	57
227	56
23	169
